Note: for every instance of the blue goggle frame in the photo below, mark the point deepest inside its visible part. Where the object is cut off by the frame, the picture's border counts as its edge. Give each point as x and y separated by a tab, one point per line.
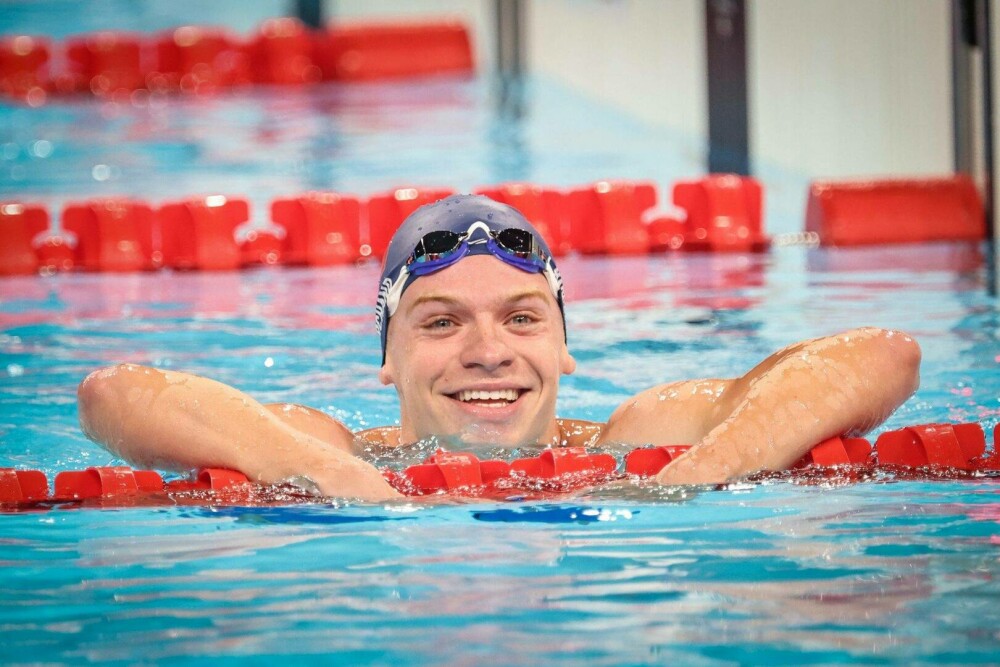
442	248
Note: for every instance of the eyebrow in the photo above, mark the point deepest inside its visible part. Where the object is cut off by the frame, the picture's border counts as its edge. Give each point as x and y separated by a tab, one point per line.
451	301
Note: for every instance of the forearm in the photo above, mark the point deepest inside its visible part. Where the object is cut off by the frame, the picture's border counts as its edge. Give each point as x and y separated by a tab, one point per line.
832	386
177	421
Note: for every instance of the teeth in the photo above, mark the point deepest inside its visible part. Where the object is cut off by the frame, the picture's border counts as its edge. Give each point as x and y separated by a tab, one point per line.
497	395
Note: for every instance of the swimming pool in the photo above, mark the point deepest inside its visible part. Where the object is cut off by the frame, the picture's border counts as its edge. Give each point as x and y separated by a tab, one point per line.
779	573
876	572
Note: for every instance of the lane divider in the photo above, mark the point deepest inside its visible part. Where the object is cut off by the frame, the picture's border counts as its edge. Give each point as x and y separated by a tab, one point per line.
214	232
877	212
127	67
717	213
928	450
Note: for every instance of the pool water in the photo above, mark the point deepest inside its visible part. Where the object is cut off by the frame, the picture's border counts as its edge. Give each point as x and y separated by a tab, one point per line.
885	571
780	573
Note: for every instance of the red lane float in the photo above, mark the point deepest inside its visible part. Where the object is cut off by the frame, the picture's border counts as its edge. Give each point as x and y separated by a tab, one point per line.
200	233
553	471
443	471
838	451
724	213
372	51
282	52
386	213
835	451
230	482
55	254
19	225
110	481
895	211
321	228
24	62
22	486
546	208
607	217
105	63
198	59
648	461
117	483
926	447
261	247
111	234
948	445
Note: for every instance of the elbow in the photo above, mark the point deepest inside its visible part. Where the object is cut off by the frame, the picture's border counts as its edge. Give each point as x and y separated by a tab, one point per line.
93	397
896	355
907	350
100	397
94	387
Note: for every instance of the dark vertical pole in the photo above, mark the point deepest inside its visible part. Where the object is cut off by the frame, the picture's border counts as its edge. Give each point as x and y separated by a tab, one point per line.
984	39
511	157
309	12
508	16
962	40
728	115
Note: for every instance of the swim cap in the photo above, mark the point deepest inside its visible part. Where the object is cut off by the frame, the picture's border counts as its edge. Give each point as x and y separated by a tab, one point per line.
476	221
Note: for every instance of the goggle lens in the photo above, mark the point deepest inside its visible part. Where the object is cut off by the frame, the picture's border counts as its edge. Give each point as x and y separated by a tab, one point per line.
436	244
517	241
441	248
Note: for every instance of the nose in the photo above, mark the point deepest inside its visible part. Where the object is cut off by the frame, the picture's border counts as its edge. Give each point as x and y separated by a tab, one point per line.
486	348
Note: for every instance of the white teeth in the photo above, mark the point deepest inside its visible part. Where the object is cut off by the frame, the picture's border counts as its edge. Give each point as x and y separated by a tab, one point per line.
496	395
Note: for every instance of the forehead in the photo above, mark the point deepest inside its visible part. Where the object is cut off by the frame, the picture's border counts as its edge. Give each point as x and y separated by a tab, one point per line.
477	280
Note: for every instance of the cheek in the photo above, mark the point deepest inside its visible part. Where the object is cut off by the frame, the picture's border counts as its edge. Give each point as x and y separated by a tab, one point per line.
422	366
547	360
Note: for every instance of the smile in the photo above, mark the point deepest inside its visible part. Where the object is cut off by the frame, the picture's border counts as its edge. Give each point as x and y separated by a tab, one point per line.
487	398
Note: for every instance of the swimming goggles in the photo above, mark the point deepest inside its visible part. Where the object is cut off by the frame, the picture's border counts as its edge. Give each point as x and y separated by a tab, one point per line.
441	248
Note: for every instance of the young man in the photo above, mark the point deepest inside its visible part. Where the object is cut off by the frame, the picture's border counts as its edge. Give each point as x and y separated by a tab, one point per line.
470	314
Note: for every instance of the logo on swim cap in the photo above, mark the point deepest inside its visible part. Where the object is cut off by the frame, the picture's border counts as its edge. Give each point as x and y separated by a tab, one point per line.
380	304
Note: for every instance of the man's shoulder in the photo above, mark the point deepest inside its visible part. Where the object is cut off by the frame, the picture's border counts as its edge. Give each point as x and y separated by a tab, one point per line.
383	436
579	432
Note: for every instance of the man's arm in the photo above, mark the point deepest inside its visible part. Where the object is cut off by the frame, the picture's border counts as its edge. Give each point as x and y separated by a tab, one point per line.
770	417
178	421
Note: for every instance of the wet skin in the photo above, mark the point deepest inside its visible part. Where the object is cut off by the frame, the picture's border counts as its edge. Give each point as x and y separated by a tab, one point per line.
475	351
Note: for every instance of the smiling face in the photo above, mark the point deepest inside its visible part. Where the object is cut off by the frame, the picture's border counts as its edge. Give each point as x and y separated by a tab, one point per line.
476	351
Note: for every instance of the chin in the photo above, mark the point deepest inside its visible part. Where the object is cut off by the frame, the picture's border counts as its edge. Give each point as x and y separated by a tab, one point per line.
491	435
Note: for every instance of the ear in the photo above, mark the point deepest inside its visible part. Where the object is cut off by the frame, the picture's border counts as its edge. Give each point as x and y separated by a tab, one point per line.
567	364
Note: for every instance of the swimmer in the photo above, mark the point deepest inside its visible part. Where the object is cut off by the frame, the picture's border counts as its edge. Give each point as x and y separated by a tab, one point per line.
470	315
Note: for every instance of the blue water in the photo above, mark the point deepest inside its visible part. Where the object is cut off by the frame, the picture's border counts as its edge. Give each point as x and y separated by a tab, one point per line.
881	572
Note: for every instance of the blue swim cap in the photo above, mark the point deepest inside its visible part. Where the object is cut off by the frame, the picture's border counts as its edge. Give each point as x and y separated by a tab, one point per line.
477	225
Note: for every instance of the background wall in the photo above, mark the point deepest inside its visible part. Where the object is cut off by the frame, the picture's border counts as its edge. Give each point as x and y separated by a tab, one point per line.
843	89
851	87
837	88
645	57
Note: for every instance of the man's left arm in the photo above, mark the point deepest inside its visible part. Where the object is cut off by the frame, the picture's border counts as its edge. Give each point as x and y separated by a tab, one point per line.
770	417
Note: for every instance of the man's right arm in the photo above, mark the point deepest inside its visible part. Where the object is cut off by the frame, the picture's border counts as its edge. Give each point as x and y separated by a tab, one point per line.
171	420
